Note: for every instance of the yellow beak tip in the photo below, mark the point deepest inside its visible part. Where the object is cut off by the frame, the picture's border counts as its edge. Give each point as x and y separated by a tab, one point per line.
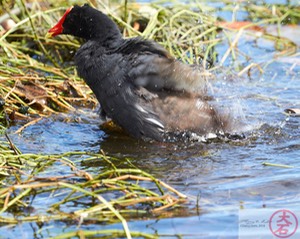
48	35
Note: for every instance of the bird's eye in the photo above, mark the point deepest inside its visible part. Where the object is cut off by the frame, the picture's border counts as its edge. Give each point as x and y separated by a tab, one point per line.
70	20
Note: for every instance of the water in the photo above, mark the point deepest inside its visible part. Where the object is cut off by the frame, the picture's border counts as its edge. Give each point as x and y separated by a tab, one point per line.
220	178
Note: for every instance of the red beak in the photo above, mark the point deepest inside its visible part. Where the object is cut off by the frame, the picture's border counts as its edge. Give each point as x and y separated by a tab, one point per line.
58	28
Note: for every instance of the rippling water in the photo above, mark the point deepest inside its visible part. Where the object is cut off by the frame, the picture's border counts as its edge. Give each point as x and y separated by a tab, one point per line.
219	177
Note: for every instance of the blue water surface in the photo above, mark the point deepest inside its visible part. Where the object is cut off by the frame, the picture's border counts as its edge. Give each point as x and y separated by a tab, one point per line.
220	178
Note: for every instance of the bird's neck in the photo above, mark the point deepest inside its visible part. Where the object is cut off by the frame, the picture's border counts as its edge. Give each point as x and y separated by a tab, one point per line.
109	37
111	41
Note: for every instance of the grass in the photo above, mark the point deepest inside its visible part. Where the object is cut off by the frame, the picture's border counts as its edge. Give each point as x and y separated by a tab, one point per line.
112	195
37	79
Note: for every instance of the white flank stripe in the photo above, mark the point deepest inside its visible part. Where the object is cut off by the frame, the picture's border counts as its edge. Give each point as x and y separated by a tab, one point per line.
155	122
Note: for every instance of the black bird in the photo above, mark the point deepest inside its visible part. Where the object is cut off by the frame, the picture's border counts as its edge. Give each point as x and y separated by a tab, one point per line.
139	85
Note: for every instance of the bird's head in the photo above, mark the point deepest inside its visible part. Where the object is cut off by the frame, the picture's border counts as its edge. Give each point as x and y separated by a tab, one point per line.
86	22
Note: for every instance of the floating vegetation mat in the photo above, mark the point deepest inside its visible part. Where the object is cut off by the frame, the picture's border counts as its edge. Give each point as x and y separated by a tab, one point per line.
37	79
42	188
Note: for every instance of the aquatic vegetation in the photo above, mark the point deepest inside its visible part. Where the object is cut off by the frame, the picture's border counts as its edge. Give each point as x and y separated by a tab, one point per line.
36	80
43	188
35	75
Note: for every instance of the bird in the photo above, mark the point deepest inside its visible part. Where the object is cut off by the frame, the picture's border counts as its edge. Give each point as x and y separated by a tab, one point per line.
140	86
